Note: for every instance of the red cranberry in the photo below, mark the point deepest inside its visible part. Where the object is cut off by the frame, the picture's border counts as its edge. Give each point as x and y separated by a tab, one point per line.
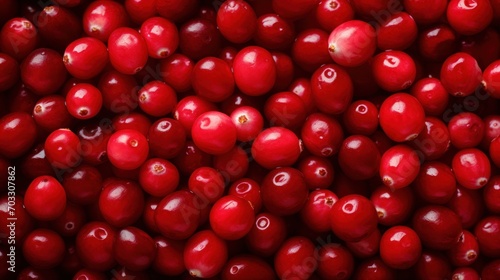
432	96
189	109
84	101
487	234
400	247
421	11
437	42
177	215
437	226
169	258
273	32
436	182
214	133
85	58
332	13
161	37
43	71
359	157
248	121
361	117
102	17
466	251
140	10
18	132
275	147
432	264
128	51
247	267
460	74
468	205
293	9
119	91
352	43
237	21
398	32
205	254
198	38
41	190
469	18
483	47
259	62
58	26
472	168
466	130
491	194
490	78
158	177
249	190
310	49
50	113
322	135
402	117
190	158
176	10
94	246
295	259
335	262
9	72
134	249
434	141
176	71
332	89
285	109
43	249
267	234
166	137
491	270
318	172
212	79
399	166
465	273
316	211
70	222
375	269
18	38
366	247
393	70
157	99
127	149
231	217
393	206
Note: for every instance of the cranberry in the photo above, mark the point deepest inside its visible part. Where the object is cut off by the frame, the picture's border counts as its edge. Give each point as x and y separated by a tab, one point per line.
434	141
284	71
460	74
393	70
318	172
400	247
50	113
177	215
85	58
398	32
285	109
366	247
249	190
432	96
316	211
161	37
40	190
132	121
205	254
231	217
260	63
212	79
233	165
84	101
463	273
127	149
166	138
198	38
352	43
399	166
176	10
274	32
237	21
58	26
157	99
436	182
190	158
158	177
332	13
335	262
102	17
361	117
486	232
83	184
422	12
295	259
332	89
310	49
94	140
472	168
393	206
375	269
466	130
466	251
189	109
322	135
43	71
119	91
140	10
18	132
432	264
247	267
275	147
94	246
70	222
9	72
248	121
221	129
89	274
176	71
467	204
402	117
490	75
491	194
134	249
267	234
18	38
124	43
359	157
24	221
21	99
491	270
43	249
169	258
437	226
353	217
483	47
437	42
469	18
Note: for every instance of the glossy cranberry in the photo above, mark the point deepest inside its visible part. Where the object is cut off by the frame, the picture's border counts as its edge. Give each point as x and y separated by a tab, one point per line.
247	267
466	251
191	158
140	10
205	254
82	184
284	191
70	222
432	264
434	141
393	70
432	96
84	274
131	121
158	177
134	249
472	168
491	194
94	140
169	258
437	226
490	76
402	117
393	206
231	217
121	202
212	79
233	165
375	269
399	166
366	247
285	70
316	212
436	182
353	217
20	99
24	222
236	21
43	71
352	43
332	13
260	63
9	72
425	12
177	215
94	245
18	132
465	273
176	71
43	249
161	37
274	32
361	117
248	122
84	101
398	32
128	52
322	135
309	50
285	109
491	270
58	26
50	113
400	247
318	172
166	138
207	183
176	10
460	74
486	232
249	190
483	47
332	89
199	38
295	259
359	157
63	148
214	133
335	262
102	17
85	58
189	109
267	234
275	147
127	149
437	42
466	130
157	99
469	18
119	91
18	38
468	205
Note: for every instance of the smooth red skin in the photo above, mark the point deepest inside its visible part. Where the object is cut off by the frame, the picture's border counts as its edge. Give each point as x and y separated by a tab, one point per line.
316	211
309	50
425	12
491	130
148	215
402	117
169	259
134	249
432	264
227	54
131	121
469	18
466	130
359	157
260	63
9	72
239	99
332	13
246	267
128	51
491	75
161	37
82	184
466	250
267	234
121	202
393	70
361	117
366	247
158	177
189	109
437	226
318	172
43	249
50	113
94	140
400	247
199	38
205	260
491	195
157	99
468	205
472	168
249	190
398	32
437	42
322	135
434	140
212	79
353	217
343	186
248	122
435	182
214	133
491	270
94	246
18	38
393	206
176	10
236	21
465	273
207	183
85	57
85	273
332	89
119	91
190	158
274	32
70	222
352	43
276	147
20	99
399	166
176	71
177	215
43	71
488	237
127	149
483	47
295	9
24	222
102	17
294	258
58	26
335	262
140	10
35	164
233	165
460	74
375	269
432	96
18	132
84	101
285	109
63	148
232	217
285	70
166	137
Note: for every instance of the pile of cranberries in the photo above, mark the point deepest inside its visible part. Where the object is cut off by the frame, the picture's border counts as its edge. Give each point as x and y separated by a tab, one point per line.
257	139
